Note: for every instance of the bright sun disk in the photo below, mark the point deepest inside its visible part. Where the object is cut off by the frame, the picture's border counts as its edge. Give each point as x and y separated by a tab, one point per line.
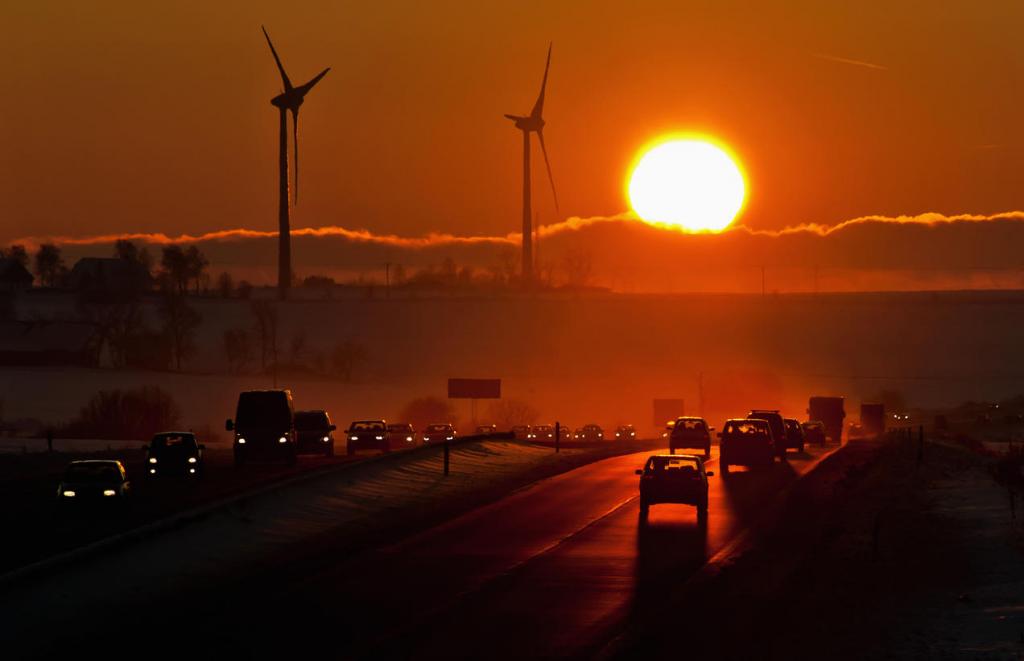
689	184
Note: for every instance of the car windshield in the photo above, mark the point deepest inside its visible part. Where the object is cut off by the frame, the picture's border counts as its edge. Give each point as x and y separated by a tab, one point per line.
542	428
399	427
368	426
683	466
104	473
164	441
436	428
792	425
305	420
747	427
689	427
592	428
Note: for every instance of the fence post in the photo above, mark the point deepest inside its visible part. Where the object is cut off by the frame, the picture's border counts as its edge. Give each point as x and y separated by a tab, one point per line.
558	435
447	452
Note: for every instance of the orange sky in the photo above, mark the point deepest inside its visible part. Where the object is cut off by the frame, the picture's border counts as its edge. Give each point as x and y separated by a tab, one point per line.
121	116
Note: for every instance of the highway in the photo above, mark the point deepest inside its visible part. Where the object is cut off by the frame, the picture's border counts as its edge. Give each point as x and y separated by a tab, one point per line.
554	569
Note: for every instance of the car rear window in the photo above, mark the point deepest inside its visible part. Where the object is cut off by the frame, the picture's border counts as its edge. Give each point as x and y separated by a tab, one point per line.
367	426
747	427
435	428
186	441
311	420
672	464
92	473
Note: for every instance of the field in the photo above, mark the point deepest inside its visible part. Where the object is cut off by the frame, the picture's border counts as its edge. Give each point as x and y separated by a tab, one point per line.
582	358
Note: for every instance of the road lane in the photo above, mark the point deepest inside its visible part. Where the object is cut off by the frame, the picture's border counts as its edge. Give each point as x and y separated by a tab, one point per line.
549	571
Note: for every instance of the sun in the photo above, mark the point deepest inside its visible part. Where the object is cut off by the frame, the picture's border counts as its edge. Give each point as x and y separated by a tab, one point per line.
690	184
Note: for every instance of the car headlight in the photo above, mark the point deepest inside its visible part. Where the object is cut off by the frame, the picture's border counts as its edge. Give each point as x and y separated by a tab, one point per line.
327	439
449	438
241	441
192	460
192	470
380	438
409	438
152	471
152	460
283	439
353	438
616	434
109	492
69	494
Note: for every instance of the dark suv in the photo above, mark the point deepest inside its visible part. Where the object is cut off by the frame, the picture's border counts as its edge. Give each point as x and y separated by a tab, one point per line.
746	442
99	482
690	433
315	432
174	453
264	426
675	478
777	426
794	434
372	434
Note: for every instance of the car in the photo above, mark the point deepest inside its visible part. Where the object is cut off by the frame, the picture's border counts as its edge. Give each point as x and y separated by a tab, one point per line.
485	430
439	433
625	432
669	426
94	482
315	432
542	433
746	442
675	478
776	424
264	426
176	453
521	432
794	434
589	432
691	433
814	432
401	433
367	435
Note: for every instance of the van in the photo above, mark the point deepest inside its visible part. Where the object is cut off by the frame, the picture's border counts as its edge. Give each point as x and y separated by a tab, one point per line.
264	426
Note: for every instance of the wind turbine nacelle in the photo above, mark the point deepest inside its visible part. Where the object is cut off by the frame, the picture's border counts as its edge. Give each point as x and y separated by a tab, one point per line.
286	101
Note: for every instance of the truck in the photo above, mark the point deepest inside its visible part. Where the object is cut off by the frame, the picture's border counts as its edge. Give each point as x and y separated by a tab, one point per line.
830	412
264	426
872	419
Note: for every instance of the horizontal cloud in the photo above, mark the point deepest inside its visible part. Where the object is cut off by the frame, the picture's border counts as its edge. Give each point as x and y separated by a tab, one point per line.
925	251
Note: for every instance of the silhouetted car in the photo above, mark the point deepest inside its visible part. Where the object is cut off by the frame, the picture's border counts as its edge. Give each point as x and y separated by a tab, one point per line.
625	432
367	435
401	433
94	482
264	426
486	430
690	432
814	432
315	432
174	453
589	433
542	433
794	434
777	426
439	433
746	442
856	430
669	426
521	432
675	478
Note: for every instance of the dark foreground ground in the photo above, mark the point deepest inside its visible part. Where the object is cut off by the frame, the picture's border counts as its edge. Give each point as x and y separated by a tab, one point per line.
875	555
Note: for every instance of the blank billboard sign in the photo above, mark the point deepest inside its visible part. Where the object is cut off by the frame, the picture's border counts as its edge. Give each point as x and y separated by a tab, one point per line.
667	409
474	388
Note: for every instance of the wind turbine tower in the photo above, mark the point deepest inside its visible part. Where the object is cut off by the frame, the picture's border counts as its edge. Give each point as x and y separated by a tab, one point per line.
288	100
533	123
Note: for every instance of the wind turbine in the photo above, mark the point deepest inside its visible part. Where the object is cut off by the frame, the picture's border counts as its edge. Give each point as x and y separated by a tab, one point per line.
533	123
290	99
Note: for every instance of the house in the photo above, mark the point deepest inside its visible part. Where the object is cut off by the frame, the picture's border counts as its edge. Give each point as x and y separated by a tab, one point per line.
109	278
14	276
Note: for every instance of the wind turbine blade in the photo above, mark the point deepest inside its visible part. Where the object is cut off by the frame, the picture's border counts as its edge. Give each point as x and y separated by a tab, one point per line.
538	108
295	145
303	89
284	76
547	164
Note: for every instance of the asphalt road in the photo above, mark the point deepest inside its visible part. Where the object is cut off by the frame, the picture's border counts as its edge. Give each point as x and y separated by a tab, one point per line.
553	570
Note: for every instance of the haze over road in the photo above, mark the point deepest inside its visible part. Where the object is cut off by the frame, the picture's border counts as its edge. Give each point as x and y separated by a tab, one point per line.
550	570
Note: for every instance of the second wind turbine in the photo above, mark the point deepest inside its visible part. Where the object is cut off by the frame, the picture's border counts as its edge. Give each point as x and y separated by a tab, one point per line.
533	123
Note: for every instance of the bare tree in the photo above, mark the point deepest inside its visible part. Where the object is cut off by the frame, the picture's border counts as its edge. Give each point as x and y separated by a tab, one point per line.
265	313
176	267
16	252
509	412
49	264
195	264
346	356
128	251
578	267
237	349
225	285
423	411
180	323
